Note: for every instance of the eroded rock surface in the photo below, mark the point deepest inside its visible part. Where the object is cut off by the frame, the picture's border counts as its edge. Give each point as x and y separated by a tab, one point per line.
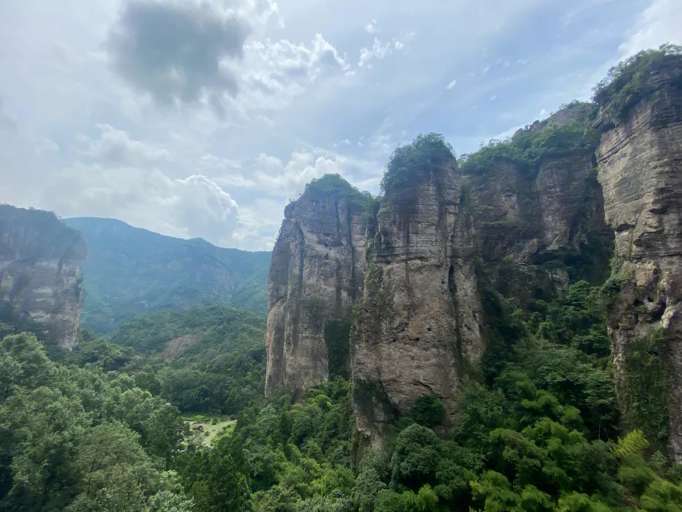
581	195
418	327
40	274
316	276
640	169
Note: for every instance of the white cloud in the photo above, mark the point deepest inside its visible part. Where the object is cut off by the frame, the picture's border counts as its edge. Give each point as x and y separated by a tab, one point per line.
271	176
379	51
660	23
451	84
371	27
194	206
116	147
261	11
280	70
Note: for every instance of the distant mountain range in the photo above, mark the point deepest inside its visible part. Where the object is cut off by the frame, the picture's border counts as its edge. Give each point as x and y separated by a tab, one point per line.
131	271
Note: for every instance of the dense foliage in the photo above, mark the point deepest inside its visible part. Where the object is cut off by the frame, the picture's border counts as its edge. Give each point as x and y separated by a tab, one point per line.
541	435
205	360
333	185
80	440
538	432
411	164
634	80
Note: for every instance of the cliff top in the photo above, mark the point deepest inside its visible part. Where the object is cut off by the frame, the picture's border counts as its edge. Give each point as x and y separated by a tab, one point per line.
334	187
636	79
412	163
332	184
35	234
567	130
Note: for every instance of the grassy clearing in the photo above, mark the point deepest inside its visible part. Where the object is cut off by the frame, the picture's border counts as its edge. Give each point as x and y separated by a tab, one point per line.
207	430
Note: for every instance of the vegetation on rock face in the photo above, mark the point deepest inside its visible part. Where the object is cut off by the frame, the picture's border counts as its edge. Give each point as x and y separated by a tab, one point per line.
528	147
411	164
336	336
646	388
634	80
336	186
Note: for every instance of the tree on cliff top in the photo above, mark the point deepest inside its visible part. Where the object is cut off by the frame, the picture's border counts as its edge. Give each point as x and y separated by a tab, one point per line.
335	185
411	163
630	81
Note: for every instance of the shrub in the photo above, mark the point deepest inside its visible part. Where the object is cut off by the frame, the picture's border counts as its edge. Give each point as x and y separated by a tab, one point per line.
428	410
630	81
412	163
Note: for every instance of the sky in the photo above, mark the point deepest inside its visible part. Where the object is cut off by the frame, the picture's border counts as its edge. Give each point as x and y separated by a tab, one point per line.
204	118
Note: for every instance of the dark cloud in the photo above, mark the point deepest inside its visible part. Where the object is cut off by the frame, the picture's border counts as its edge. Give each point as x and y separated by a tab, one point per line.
177	52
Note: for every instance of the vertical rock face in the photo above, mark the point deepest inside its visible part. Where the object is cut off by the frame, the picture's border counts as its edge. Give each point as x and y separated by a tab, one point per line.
317	272
40	274
540	226
640	169
418	326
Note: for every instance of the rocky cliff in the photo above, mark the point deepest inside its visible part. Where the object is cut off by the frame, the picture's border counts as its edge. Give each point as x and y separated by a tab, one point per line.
40	274
592	193
418	325
538	208
316	276
520	220
640	170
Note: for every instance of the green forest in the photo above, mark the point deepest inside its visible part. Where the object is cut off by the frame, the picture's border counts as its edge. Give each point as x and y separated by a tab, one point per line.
107	427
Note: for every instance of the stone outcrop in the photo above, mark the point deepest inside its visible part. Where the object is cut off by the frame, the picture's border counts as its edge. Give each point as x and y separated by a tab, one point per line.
640	169
40	274
593	191
541	226
316	276
418	326
521	231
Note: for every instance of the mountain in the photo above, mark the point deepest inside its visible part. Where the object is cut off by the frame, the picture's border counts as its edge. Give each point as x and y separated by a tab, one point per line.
40	275
131	271
461	262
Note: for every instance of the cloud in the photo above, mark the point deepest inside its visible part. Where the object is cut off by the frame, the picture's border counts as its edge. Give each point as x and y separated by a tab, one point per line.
261	11
115	147
178	52
281	65
379	51
202	208
451	85
659	24
194	206
371	27
271	176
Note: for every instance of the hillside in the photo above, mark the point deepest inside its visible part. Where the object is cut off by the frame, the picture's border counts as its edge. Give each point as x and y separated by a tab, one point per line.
130	271
207	359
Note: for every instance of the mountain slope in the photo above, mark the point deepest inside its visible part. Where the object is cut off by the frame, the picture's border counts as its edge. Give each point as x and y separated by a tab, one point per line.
129	271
